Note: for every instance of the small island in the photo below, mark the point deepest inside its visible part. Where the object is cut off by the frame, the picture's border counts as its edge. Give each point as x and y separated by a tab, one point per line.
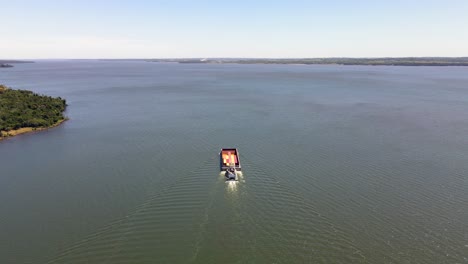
23	111
9	63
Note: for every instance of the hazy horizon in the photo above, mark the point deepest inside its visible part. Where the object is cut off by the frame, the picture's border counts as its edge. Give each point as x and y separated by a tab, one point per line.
210	29
233	58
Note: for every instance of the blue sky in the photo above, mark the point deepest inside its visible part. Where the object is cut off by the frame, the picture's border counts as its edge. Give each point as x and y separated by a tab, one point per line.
279	29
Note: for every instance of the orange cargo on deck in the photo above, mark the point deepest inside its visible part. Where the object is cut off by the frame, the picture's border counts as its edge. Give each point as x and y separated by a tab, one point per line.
229	158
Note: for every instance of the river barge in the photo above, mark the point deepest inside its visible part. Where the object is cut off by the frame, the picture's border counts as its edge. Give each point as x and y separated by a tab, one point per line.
229	163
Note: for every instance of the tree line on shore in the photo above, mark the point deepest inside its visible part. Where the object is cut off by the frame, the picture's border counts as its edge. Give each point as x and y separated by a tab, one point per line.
22	108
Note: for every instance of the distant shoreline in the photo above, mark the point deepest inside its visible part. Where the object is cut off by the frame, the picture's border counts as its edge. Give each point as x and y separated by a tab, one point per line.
14	61
408	61
383	61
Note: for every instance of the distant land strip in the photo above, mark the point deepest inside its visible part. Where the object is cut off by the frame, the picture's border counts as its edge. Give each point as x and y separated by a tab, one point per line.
407	61
14	61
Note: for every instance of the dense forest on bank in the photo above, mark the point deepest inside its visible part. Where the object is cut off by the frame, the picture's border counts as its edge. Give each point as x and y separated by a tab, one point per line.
22	108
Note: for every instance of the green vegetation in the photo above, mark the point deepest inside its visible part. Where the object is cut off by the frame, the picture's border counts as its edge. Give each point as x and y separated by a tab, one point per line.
21	108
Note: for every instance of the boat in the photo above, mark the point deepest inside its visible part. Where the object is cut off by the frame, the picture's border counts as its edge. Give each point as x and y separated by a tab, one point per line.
231	174
229	163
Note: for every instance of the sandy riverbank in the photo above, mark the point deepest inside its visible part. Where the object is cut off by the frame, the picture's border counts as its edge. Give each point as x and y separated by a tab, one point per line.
23	130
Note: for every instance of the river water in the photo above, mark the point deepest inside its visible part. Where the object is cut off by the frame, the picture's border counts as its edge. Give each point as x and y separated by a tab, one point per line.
341	164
